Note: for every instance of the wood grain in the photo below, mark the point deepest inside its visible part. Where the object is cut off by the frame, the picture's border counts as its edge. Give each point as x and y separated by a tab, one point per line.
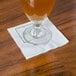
58	62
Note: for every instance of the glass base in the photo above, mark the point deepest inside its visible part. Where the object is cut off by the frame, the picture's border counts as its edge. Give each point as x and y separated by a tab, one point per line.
37	35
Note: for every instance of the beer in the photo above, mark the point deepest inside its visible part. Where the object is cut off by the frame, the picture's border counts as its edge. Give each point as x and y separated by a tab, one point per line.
37	9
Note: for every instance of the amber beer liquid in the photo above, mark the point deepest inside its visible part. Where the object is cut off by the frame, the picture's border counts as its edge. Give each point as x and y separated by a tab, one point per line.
37	9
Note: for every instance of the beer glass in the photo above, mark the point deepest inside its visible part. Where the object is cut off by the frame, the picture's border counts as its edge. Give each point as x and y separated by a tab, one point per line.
37	11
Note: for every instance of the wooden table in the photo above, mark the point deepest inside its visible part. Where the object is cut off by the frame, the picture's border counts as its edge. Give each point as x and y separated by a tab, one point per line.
58	62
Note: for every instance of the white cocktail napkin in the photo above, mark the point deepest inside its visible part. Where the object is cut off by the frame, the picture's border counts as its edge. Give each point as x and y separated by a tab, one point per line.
30	50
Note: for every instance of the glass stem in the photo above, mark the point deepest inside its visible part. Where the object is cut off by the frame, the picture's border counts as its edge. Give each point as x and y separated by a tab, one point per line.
36	31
